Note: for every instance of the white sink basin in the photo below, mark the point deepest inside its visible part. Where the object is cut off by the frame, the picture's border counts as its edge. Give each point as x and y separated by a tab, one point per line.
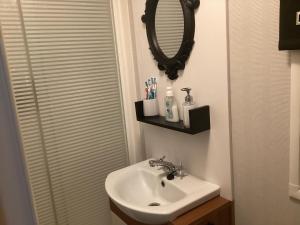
135	188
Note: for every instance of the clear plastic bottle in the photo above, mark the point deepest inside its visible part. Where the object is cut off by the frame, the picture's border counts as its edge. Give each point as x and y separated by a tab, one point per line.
187	106
171	108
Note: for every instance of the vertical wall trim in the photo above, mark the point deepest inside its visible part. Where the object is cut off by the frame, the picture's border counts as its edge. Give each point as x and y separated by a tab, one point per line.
294	183
229	97
128	78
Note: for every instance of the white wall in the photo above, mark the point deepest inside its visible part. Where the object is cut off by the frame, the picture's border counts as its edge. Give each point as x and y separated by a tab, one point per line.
206	155
260	104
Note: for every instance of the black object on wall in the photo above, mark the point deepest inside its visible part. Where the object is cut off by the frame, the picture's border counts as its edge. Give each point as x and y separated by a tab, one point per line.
289	25
171	65
199	120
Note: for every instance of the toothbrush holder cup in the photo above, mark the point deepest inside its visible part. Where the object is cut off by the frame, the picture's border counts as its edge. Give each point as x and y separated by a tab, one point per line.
150	107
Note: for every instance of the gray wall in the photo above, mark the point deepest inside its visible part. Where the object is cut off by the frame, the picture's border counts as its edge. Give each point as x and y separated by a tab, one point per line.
14	195
260	102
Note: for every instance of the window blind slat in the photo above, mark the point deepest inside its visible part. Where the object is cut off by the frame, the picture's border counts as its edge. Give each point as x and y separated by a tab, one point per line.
64	77
13	40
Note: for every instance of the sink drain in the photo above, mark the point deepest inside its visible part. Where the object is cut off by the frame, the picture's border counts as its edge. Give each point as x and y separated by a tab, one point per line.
154	204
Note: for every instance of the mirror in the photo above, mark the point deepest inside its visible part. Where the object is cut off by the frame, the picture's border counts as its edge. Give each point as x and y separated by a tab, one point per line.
170	26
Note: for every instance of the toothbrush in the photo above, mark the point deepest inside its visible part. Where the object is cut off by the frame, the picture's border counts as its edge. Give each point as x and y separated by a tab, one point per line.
146	90
151	88
155	87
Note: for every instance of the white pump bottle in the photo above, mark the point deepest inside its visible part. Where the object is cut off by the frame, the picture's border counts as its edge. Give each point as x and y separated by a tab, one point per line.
187	106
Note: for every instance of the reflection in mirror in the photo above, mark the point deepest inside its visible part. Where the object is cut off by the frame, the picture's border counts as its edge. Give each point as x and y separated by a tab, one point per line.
169	25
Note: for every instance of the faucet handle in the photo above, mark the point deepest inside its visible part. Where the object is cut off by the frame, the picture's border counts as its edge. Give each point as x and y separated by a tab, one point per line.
162	158
153	162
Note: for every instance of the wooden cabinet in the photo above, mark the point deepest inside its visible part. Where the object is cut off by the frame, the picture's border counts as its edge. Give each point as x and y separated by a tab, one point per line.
217	211
2	220
222	216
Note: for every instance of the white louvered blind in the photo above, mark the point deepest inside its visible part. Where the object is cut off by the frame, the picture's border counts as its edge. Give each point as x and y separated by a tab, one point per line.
64	76
169	26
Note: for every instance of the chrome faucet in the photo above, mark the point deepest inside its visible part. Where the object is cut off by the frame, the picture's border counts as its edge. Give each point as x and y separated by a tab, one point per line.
171	169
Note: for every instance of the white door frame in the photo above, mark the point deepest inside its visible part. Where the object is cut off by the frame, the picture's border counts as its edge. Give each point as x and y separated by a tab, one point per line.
128	76
294	183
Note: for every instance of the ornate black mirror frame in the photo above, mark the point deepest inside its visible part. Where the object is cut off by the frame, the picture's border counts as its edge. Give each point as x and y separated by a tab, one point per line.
171	65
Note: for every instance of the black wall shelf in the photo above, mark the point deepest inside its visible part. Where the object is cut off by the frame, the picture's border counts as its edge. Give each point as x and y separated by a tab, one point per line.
199	120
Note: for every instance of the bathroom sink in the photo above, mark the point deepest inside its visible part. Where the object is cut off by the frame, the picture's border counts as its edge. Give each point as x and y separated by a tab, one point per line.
146	195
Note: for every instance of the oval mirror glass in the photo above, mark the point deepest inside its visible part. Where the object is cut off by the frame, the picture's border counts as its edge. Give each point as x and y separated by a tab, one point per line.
169	26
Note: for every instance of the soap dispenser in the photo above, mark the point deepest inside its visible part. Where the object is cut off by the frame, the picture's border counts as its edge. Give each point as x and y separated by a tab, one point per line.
187	106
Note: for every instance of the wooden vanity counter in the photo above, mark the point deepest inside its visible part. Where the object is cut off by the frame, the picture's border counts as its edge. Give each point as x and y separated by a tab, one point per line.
217	211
